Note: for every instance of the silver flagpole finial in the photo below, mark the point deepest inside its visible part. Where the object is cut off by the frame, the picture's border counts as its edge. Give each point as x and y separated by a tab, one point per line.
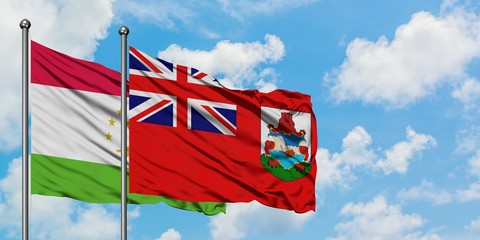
122	31
26	24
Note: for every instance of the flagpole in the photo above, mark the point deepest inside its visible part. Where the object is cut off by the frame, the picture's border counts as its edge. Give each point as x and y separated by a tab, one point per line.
123	31
25	26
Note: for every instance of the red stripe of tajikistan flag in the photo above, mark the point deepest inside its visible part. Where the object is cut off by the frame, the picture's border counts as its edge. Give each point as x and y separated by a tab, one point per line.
76	132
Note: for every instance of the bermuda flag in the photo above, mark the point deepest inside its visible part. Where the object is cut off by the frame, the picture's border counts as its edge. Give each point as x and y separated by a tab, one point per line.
195	140
76	132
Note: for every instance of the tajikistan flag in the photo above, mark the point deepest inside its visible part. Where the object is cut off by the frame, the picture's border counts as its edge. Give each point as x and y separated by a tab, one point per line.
75	131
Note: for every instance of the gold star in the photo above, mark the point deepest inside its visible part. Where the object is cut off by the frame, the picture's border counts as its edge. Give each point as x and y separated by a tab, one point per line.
120	150
111	122
119	111
108	136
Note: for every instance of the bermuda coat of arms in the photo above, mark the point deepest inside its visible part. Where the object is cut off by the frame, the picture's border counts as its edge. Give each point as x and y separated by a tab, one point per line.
285	144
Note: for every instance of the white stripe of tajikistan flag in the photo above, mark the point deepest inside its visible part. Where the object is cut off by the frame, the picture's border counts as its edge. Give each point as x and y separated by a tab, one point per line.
75	132
75	124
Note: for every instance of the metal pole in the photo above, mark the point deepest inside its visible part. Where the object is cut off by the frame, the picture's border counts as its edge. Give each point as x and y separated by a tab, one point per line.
123	31
25	26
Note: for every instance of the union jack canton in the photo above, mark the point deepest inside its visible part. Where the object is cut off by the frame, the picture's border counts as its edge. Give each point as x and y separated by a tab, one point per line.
189	109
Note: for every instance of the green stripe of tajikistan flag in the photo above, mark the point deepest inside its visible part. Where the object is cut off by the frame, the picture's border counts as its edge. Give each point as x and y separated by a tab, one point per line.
76	132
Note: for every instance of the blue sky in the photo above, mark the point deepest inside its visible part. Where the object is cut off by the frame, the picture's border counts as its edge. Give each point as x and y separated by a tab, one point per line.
394	84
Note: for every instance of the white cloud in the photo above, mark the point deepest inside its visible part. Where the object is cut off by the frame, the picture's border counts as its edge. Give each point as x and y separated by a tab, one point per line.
425	191
471	231
470	194
468	139
331	171
336	168
473	226
398	157
242	69
134	213
242	9
59	218
448	5
411	66
170	234
468	93
267	80
377	220
11	196
161	12
244	219
52	217
474	163
188	14
420	236
58	24
357	152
